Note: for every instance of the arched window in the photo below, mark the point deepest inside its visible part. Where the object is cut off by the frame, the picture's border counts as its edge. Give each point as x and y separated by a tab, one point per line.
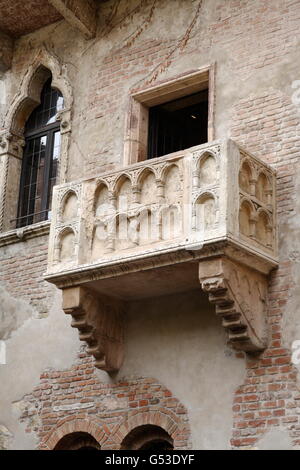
40	158
78	441
148	437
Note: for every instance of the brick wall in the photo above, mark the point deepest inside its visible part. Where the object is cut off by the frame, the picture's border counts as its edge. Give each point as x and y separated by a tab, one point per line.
268	125
21	273
76	400
254	37
249	35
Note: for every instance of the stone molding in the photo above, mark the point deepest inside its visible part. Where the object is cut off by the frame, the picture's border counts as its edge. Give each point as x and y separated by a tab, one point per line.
25	233
28	96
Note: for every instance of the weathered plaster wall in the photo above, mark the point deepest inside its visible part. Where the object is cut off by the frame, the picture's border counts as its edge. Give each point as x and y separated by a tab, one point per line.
179	340
165	338
38	344
176	362
254	45
275	440
35	331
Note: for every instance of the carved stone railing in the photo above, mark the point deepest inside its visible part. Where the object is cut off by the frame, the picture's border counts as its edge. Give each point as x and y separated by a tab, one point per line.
213	204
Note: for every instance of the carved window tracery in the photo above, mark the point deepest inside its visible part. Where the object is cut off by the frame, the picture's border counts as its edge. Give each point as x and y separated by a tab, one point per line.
40	159
43	65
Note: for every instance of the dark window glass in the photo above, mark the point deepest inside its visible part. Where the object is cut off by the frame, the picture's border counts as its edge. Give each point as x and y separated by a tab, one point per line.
44	114
178	124
40	159
156	445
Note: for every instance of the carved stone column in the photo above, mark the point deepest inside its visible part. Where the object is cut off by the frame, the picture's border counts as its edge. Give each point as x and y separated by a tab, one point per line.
11	149
99	320
239	294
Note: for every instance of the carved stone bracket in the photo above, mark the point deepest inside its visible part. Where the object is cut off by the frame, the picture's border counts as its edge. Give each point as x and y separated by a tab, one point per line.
11	144
239	294
99	320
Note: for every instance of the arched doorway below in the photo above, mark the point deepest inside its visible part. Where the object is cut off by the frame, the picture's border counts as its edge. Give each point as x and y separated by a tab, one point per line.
77	441
148	437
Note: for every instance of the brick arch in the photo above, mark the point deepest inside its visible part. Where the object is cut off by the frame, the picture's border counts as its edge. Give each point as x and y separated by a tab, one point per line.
96	429
178	429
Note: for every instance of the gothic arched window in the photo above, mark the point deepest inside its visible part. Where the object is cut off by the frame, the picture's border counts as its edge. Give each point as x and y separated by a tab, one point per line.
40	158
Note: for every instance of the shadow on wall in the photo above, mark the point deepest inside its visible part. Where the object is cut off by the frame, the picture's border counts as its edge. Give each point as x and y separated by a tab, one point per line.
173	331
179	340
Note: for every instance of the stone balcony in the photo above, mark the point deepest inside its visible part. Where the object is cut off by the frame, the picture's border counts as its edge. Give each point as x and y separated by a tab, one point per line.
204	217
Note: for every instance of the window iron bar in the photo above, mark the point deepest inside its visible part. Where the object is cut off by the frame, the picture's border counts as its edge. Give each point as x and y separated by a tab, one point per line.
29	215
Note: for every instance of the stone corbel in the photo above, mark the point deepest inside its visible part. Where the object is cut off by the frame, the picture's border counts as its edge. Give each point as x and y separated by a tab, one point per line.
239	294
99	320
11	144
